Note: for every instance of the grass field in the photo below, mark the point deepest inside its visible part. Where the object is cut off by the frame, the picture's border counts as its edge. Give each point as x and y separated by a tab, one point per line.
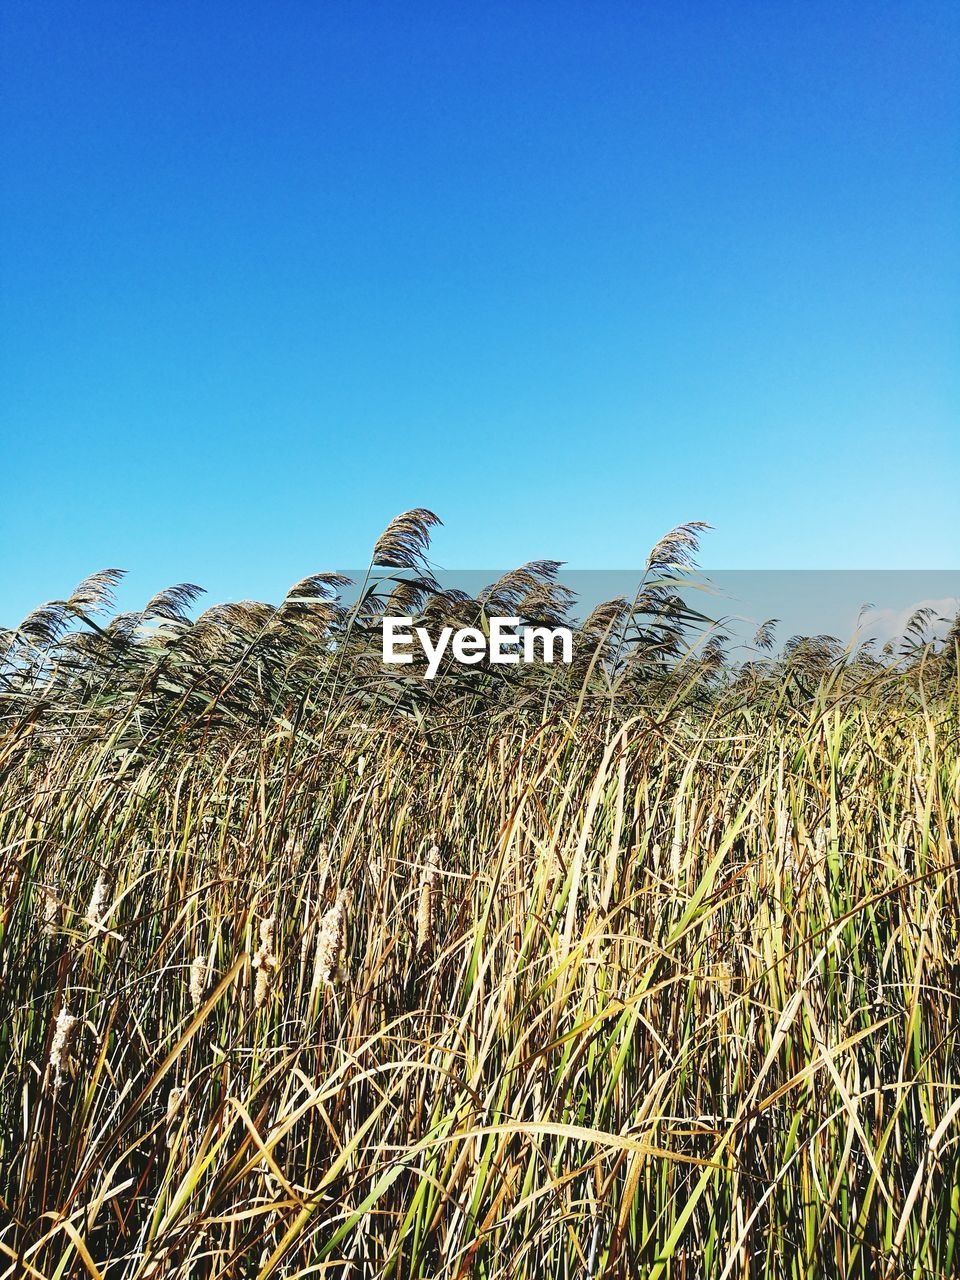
647	968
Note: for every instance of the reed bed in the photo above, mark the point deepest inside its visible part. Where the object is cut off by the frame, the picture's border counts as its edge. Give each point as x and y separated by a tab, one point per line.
498	987
553	1000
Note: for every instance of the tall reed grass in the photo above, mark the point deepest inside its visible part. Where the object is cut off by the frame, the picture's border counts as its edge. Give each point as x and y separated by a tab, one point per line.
552	991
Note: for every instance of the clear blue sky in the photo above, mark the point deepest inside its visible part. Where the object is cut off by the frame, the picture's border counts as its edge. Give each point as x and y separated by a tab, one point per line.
566	273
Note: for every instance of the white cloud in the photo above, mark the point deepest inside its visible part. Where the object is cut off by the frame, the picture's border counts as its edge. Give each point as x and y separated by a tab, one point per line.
891	624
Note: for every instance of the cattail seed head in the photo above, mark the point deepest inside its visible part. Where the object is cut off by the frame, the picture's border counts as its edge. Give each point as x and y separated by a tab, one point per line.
676	857
51	912
261	990
63	1033
268	927
198	980
265	961
428	887
330	941
99	905
175	1100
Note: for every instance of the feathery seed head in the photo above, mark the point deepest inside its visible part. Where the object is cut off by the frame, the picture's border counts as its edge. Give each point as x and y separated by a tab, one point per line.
403	544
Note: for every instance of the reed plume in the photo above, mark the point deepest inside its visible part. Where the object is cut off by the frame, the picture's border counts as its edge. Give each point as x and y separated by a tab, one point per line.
403	544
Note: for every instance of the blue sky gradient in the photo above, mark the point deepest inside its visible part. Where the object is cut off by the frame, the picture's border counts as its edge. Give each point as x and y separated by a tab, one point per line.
567	274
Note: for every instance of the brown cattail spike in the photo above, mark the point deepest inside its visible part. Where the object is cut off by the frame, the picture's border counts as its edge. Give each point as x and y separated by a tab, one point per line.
428	888
265	961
